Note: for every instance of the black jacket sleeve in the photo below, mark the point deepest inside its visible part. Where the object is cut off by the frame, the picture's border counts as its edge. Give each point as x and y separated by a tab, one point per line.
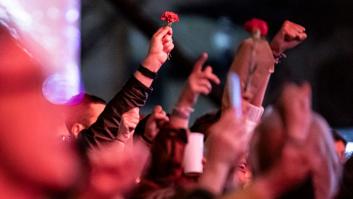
105	129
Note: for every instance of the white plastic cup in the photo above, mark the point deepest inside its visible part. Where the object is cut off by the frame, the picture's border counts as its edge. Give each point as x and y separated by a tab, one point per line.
193	153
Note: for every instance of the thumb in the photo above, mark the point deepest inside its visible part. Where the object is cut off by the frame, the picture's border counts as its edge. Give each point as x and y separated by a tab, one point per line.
157	109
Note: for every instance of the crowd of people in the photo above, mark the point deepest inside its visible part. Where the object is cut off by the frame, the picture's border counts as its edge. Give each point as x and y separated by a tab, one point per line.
285	150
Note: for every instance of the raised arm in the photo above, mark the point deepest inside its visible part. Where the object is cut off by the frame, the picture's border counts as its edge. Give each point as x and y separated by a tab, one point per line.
226	145
289	36
199	82
161	45
254	63
134	93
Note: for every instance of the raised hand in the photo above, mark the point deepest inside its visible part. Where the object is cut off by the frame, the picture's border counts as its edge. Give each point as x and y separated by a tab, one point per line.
227	135
129	121
199	82
226	144
161	45
154	122
114	169
295	106
291	169
289	36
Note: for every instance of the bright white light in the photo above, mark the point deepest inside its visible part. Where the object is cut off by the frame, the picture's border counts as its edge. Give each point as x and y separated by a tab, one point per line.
221	40
50	43
53	13
50	32
72	15
71	73
57	89
72	32
22	18
349	149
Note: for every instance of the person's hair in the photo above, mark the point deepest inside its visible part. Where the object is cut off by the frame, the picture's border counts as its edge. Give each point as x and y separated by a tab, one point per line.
266	147
78	109
338	137
167	152
203	123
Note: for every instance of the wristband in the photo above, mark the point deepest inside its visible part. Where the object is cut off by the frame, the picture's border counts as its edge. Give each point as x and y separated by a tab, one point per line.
277	57
146	72
182	112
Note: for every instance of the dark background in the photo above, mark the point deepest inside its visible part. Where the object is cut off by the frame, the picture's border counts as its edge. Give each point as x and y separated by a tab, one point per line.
115	35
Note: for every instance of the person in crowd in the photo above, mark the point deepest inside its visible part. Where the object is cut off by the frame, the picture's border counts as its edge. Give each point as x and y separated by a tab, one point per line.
340	145
33	163
291	151
165	173
239	177
254	63
83	110
109	138
288	157
148	128
289	36
317	144
114	170
254	52
133	95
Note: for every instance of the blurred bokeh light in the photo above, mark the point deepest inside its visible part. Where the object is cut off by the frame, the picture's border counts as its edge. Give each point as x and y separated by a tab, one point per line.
49	30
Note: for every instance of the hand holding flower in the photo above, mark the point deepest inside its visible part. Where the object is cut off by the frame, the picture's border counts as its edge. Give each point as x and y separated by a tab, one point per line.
257	27
161	45
170	17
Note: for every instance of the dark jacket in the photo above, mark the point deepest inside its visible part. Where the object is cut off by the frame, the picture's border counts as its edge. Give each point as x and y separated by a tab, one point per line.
105	129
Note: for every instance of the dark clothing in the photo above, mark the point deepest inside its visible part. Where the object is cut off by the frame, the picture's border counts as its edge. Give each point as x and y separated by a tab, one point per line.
164	175
196	194
105	129
347	181
203	123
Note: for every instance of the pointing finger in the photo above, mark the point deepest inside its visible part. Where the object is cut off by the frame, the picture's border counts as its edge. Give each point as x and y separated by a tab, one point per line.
200	62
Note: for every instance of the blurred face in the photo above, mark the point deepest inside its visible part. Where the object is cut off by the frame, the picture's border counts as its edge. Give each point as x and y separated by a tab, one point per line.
340	150
28	144
84	117
242	176
108	176
29	148
266	144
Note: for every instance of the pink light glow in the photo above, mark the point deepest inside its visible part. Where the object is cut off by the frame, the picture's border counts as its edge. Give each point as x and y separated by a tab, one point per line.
50	31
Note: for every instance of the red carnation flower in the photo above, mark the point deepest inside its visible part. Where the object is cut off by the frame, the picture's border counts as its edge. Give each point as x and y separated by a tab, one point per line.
170	17
256	24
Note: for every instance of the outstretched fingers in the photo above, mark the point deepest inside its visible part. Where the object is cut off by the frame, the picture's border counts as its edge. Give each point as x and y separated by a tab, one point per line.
211	76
